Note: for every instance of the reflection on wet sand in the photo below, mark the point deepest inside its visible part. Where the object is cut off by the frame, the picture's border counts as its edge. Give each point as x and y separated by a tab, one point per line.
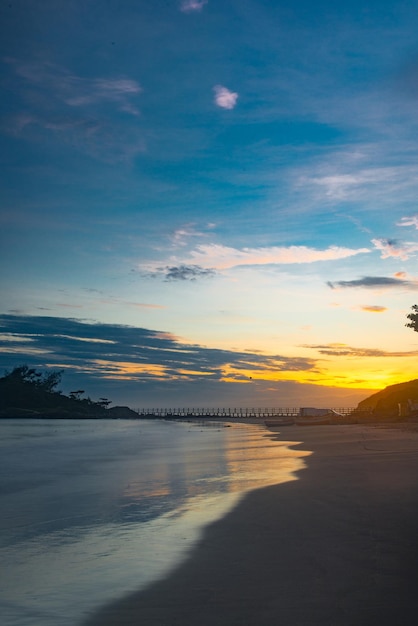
338	546
237	465
265	461
92	511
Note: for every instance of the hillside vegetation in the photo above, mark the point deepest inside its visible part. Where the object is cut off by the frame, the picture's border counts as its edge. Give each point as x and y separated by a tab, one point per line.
25	392
393	401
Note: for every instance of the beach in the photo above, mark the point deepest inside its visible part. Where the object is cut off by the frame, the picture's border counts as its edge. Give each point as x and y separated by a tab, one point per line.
337	547
95	509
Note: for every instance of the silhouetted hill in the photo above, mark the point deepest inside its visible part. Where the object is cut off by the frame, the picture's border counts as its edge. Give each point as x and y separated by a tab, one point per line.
25	392
121	412
386	403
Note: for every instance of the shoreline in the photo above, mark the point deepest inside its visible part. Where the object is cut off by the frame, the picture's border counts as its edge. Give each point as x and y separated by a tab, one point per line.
409	423
337	547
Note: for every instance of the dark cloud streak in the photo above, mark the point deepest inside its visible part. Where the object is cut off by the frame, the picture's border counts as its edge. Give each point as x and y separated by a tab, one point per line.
343	350
184	272
372	282
187	272
99	351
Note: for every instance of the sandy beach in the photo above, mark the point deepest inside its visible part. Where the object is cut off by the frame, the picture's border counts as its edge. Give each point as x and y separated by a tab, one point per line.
338	546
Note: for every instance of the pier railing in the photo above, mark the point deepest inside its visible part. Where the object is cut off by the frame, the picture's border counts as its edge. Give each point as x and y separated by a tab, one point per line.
257	413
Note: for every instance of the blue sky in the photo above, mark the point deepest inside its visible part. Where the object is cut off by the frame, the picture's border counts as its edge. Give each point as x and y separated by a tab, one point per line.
241	177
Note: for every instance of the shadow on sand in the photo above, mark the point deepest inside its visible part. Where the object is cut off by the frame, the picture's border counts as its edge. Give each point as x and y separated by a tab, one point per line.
337	547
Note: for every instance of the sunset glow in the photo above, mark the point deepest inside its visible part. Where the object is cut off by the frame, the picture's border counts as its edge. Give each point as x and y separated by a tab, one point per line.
209	200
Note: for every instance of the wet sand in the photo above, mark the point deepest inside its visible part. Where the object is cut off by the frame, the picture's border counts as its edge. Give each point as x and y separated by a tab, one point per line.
337	547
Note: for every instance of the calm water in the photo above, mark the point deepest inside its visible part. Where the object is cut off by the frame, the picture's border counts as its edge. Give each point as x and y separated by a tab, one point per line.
91	510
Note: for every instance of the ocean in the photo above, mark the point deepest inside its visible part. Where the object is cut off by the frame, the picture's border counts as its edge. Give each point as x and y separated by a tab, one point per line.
94	509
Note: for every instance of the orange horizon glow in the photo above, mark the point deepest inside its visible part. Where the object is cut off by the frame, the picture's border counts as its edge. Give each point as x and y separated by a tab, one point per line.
356	375
371	377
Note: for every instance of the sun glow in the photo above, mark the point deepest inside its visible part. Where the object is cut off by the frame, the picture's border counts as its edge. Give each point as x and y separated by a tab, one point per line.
130	371
373	374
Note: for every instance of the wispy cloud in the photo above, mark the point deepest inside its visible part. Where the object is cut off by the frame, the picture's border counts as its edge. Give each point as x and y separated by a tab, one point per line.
373	308
78	110
116	90
225	98
338	186
192	6
341	349
182	236
208	259
374	282
392	248
345	174
77	91
409	221
224	257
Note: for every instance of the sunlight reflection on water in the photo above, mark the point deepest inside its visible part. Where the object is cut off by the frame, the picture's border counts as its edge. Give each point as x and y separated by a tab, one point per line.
95	510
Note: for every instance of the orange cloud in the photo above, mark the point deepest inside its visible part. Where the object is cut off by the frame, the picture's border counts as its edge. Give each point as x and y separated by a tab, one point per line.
370	308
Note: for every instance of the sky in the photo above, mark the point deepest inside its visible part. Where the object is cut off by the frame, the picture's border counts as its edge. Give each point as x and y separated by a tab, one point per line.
210	203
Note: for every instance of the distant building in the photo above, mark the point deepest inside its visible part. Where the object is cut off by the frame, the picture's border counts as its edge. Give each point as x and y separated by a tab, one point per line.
312	411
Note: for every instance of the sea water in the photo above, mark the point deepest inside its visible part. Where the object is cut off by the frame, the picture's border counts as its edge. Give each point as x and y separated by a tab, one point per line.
94	509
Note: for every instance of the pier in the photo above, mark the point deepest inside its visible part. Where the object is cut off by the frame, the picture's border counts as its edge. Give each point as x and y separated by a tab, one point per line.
231	413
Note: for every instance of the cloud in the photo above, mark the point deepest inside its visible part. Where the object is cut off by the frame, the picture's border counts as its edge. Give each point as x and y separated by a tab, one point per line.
341	349
373	308
77	91
114	352
79	111
338	186
186	272
373	282
206	260
343	175
390	248
408	221
181	236
97	89
352	184
223	257
224	98
191	6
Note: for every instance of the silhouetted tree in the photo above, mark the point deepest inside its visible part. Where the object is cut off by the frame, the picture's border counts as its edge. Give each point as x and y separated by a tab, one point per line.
76	395
104	402
23	374
26	387
414	318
